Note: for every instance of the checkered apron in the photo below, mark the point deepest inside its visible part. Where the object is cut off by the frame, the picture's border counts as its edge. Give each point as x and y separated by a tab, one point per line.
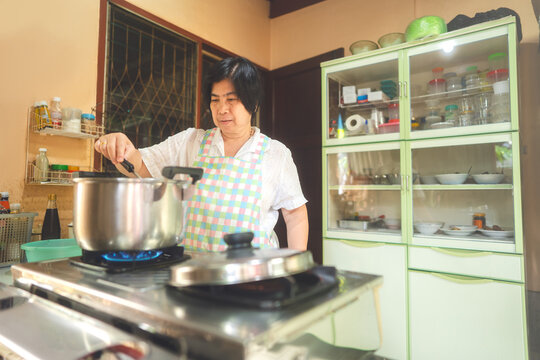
227	199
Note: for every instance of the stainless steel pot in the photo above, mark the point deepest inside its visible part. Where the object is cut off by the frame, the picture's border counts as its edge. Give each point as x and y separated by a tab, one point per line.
112	214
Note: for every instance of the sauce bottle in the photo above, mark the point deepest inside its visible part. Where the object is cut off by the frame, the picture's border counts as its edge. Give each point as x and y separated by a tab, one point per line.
4	203
42	166
51	222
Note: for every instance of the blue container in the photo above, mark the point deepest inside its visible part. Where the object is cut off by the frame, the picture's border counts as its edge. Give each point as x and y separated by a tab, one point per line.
51	249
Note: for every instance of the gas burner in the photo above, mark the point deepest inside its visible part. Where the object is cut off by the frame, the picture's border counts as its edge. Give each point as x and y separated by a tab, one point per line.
132	255
124	261
271	294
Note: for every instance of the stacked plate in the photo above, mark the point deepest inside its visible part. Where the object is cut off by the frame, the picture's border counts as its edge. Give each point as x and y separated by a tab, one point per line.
459	230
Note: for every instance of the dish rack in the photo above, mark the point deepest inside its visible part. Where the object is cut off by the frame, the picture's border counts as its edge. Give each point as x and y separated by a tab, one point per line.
15	230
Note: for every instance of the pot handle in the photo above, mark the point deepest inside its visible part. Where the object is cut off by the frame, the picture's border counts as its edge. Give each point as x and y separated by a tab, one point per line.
170	171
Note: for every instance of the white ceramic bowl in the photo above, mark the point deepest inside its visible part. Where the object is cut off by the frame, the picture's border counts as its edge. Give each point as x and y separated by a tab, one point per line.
393	224
428	179
451	179
361	46
428	228
488	178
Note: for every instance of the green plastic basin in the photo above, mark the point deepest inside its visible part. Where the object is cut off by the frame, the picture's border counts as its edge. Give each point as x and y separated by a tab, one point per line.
51	249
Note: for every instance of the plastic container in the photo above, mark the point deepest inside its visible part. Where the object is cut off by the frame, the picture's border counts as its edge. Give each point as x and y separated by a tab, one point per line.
501	87
389	128
16	230
497	75
437	73
51	249
393	111
453	83
436	86
42	166
483	104
56	112
472	83
497	61
72	119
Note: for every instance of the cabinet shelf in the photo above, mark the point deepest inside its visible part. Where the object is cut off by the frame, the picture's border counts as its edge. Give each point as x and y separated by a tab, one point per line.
364	187
464	187
62	178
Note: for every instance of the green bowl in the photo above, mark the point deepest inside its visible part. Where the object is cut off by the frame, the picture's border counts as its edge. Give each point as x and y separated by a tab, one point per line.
51	249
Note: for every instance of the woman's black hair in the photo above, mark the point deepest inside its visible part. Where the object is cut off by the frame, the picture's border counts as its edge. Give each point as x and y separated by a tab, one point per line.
245	78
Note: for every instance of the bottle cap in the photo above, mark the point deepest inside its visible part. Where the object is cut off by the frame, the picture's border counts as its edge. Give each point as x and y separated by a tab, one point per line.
4	194
56	98
52	196
43	102
43	149
36	103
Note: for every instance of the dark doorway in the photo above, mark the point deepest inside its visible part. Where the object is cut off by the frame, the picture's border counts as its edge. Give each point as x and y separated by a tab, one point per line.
294	95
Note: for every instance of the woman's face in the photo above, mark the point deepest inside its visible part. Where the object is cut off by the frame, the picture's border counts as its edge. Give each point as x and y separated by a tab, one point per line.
228	112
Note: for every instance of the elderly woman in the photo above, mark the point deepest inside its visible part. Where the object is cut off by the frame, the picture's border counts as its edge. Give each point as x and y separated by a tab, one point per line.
248	177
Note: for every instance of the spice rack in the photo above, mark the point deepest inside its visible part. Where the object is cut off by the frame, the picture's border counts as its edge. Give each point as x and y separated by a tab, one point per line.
57	177
87	131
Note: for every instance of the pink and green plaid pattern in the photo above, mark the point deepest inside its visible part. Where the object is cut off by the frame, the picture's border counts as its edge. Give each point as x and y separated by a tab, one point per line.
227	199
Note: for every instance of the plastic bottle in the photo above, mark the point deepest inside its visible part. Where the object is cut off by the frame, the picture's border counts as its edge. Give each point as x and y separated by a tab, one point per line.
42	166
51	222
4	203
56	112
340	130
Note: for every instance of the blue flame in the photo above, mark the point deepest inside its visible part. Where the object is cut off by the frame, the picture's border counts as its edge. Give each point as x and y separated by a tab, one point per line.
132	255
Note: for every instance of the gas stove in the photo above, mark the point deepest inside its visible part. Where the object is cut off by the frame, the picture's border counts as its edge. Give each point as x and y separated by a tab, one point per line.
203	323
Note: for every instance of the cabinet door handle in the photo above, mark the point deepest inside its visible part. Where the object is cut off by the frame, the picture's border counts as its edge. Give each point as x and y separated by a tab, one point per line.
460	279
407	183
461	252
405	89
362	244
400	90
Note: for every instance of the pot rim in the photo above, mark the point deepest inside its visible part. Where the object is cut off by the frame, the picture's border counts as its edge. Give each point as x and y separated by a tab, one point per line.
128	180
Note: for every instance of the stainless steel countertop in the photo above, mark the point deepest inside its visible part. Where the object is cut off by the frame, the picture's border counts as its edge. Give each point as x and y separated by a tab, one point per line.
147	301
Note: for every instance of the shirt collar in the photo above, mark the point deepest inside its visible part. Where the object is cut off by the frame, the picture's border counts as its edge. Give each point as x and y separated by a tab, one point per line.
248	147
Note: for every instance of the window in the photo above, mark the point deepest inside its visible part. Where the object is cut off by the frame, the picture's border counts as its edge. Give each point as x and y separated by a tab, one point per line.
151	81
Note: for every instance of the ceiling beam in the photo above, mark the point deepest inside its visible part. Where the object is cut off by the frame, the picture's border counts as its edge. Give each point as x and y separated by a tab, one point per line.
282	7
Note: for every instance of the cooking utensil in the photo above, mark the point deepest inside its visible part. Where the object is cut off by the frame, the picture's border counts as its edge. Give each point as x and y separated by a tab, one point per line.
240	263
129	167
112	214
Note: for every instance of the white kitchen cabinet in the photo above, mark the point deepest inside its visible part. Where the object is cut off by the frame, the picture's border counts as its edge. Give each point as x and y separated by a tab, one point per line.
390	261
382	176
458	317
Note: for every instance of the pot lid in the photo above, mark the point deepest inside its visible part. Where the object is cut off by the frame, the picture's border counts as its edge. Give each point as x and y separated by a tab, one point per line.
240	263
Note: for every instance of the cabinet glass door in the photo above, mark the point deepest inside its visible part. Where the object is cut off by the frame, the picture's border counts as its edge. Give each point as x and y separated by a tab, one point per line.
363	199
465	193
362	100
461	84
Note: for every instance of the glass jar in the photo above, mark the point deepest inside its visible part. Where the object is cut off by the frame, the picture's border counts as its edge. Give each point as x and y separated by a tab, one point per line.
479	220
41	173
453	82
451	113
483	105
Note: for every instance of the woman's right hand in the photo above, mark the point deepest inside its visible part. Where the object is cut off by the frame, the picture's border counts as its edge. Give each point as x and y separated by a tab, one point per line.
115	147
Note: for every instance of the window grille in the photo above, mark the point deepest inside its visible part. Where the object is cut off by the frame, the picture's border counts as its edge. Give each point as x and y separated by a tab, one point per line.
151	81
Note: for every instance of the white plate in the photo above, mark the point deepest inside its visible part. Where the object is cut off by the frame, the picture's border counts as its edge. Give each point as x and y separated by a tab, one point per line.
498	234
443	125
463	230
